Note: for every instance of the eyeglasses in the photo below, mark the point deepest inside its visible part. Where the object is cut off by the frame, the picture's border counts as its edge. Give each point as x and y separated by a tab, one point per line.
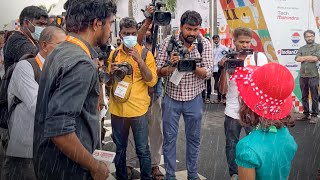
56	44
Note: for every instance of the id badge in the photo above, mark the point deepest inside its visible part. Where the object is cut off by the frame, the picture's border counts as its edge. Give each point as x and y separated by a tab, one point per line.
121	89
176	77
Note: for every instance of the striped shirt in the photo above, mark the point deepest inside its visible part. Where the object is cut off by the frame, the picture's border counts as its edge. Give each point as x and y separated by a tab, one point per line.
190	86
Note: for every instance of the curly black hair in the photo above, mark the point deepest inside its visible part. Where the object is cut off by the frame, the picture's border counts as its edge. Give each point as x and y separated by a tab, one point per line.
81	13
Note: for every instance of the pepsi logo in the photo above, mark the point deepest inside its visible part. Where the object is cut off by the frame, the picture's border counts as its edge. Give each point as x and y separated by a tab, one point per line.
295	38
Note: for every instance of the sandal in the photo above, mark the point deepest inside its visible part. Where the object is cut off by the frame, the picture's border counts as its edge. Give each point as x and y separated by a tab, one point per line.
216	101
207	101
129	172
157	174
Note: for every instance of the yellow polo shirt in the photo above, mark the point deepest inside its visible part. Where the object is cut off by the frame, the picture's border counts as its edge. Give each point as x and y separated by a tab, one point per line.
139	99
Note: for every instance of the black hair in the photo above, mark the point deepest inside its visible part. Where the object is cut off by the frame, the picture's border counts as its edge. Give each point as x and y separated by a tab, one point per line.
47	34
192	18
215	36
309	31
81	13
32	12
128	22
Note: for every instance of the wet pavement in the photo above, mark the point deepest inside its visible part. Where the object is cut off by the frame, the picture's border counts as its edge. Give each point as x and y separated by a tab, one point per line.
212	160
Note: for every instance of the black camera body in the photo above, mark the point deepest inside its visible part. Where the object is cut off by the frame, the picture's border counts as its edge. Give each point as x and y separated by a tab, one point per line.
123	69
186	63
232	61
160	17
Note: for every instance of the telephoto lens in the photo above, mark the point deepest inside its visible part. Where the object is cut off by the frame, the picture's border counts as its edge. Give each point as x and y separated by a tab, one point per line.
124	69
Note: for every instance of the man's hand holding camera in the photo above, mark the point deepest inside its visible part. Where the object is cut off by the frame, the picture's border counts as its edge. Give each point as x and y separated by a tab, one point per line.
174	58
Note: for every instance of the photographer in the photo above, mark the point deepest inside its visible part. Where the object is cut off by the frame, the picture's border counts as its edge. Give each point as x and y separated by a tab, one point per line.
66	131
145	38
133	70
242	40
183	94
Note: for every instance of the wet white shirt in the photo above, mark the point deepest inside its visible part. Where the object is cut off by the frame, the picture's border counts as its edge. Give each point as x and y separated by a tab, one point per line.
21	125
232	97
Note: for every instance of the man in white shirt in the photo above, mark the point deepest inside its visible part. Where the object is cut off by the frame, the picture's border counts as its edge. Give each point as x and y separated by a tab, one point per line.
232	127
24	86
218	55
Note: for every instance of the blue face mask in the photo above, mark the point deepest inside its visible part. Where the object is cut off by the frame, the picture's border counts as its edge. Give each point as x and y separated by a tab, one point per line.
130	41
37	32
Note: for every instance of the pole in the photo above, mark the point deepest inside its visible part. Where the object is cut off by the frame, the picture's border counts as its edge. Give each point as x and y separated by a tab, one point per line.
213	17
211	20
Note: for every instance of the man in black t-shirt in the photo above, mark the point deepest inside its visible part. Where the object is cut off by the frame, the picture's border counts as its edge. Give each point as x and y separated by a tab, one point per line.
32	20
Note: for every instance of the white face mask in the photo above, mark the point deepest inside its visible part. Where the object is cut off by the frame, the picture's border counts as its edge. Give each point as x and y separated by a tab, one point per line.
130	41
37	31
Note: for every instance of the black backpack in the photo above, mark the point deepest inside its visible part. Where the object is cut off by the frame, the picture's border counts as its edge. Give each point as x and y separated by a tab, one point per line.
5	113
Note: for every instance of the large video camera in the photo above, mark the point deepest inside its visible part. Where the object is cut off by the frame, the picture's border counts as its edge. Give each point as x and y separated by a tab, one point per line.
232	61
160	17
124	69
186	63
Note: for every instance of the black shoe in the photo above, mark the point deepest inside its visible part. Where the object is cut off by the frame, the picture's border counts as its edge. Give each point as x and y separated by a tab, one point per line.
304	117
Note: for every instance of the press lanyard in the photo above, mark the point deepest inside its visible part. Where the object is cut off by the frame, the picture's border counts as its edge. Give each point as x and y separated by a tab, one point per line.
79	43
27	37
40	64
135	66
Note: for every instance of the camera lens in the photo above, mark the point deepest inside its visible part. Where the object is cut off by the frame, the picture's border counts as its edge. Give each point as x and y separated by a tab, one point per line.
119	75
186	65
233	65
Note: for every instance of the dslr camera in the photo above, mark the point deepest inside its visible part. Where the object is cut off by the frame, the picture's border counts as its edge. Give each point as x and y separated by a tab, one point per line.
186	63
160	17
232	61
124	69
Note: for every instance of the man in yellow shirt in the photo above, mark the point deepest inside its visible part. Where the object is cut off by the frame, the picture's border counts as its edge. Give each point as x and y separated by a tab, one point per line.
129	99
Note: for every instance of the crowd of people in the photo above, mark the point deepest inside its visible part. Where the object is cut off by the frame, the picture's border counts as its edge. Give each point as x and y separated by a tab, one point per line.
58	82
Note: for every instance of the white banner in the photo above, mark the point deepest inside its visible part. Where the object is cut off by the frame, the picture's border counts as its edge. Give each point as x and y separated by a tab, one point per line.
286	21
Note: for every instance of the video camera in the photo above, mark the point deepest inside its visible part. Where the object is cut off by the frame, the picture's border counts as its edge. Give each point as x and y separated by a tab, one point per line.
232	61
160	17
186	63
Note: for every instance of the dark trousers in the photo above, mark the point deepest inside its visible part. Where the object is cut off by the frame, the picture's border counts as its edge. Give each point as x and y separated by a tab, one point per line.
120	132
17	168
232	130
216	76
207	93
312	84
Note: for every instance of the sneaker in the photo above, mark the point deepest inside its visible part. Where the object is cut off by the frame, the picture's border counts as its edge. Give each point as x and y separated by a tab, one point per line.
313	120
234	177
304	117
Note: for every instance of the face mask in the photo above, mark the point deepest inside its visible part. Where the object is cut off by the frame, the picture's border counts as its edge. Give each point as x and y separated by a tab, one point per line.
37	32
130	41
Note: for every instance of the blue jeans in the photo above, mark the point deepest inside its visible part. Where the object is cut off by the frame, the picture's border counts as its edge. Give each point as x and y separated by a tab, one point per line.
232	130
120	132
192	115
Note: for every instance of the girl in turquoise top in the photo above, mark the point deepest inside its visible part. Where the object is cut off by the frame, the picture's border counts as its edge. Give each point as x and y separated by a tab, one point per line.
266	102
